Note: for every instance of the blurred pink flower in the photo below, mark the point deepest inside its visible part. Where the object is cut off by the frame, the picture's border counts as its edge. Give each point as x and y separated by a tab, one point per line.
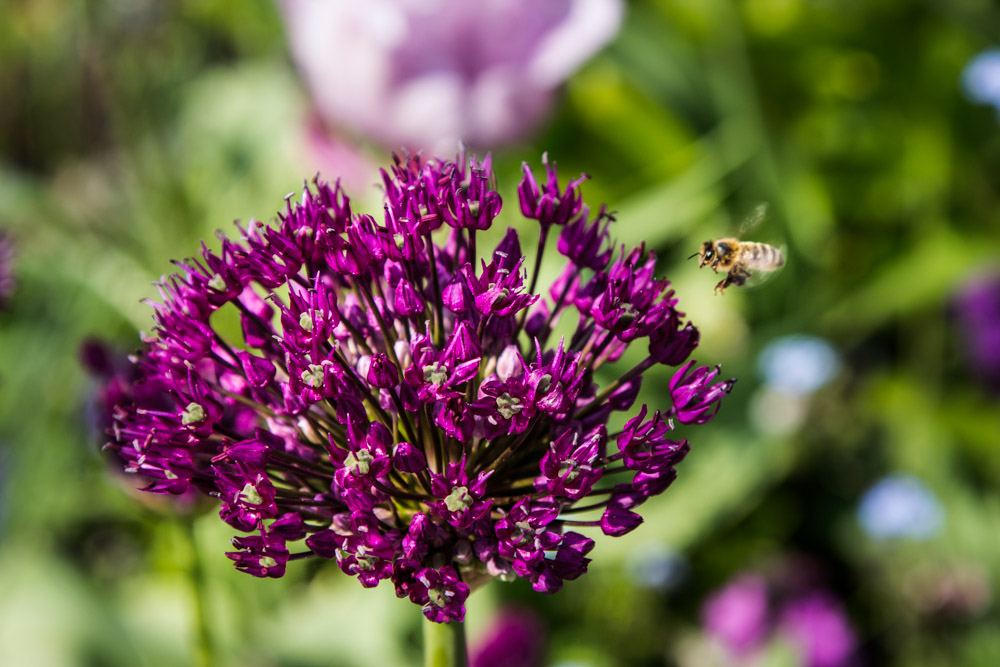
425	74
515	639
753	610
737	615
977	304
817	624
7	282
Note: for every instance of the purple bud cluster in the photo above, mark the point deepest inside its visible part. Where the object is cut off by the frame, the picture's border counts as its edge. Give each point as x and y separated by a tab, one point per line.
380	393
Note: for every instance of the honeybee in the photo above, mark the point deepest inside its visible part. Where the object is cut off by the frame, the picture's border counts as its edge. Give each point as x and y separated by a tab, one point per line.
737	258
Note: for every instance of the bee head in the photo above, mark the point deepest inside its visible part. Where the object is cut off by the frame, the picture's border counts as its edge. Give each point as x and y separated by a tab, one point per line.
707	253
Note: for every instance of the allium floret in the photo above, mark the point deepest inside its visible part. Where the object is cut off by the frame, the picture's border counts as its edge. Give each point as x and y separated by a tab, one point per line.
396	401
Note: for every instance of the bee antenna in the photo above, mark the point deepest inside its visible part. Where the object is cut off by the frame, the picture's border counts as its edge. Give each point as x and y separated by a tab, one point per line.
693	256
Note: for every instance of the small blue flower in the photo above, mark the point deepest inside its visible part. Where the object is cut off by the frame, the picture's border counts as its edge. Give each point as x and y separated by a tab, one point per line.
658	567
900	506
981	78
798	365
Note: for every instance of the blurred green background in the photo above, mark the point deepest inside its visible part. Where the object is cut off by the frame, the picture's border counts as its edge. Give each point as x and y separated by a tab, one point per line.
131	130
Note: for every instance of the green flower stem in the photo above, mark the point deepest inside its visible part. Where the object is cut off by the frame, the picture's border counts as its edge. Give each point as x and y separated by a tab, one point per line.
204	654
444	645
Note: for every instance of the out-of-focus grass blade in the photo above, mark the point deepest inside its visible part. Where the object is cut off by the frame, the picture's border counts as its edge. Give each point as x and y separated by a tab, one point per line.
922	277
720	484
658	215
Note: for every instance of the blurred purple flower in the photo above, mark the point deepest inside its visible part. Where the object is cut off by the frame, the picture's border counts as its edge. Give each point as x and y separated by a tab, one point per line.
427	74
900	506
117	381
753	610
516	639
981	78
114	377
7	283
817	625
737	615
331	154
978	309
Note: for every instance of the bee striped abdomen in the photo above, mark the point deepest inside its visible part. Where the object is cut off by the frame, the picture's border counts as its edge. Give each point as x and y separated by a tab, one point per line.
762	256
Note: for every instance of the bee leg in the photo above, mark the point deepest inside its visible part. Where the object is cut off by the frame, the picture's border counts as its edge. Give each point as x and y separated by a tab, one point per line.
720	287
738	277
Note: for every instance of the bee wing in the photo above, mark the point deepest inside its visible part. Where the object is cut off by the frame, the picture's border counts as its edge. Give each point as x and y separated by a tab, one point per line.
757	216
758	278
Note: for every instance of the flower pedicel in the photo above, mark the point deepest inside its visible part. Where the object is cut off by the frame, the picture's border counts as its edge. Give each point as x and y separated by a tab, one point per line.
399	403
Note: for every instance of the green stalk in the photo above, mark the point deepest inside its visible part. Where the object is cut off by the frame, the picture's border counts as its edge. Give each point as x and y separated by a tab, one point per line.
444	645
204	654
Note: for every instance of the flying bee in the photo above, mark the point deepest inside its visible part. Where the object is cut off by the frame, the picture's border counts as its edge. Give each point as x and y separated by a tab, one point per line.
737	258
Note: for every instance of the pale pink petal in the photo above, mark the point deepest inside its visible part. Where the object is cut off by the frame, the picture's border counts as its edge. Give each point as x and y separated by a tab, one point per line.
589	26
428	73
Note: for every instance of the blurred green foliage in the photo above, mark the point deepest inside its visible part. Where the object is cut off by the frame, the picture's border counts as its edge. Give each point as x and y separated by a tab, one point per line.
130	130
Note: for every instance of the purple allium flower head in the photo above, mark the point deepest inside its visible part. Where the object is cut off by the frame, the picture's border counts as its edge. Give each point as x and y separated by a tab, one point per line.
396	401
977	306
817	625
738	616
427	75
515	639
7	283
